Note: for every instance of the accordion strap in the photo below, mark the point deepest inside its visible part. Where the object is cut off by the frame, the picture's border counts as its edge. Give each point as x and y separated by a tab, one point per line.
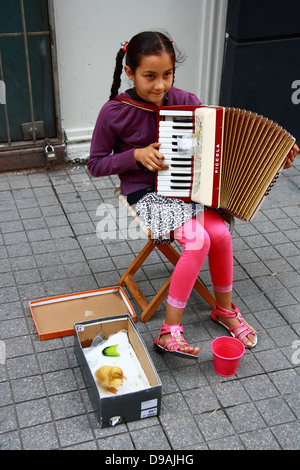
138	104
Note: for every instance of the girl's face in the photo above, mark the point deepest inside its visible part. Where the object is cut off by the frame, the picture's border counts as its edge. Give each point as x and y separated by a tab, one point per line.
153	77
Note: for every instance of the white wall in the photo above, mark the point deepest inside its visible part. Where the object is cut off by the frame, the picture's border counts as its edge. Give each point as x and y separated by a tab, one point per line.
88	36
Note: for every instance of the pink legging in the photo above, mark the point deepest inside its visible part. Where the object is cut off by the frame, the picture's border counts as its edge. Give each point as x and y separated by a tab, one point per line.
206	235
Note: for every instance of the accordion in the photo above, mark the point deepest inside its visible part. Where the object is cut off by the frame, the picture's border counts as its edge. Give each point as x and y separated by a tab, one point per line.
220	157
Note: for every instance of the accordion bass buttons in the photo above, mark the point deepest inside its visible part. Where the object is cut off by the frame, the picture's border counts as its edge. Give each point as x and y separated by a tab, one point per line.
272	184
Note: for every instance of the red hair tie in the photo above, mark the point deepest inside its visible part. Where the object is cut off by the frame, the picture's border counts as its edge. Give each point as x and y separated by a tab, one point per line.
123	46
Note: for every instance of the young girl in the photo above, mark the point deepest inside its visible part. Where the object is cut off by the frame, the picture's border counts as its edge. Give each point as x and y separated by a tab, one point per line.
124	143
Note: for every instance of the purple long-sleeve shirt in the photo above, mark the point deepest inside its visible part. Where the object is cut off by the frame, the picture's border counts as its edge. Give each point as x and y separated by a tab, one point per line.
120	128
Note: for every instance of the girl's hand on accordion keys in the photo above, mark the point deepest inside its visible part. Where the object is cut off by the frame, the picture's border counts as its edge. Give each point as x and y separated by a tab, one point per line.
291	156
150	157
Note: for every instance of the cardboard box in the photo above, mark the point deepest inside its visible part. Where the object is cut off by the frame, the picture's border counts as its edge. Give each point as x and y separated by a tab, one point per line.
55	317
119	408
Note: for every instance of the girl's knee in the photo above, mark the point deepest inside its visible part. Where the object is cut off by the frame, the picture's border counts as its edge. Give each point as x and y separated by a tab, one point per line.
194	255
216	227
193	236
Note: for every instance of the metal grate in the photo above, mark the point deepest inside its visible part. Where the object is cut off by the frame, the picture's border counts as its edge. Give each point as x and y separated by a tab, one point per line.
39	113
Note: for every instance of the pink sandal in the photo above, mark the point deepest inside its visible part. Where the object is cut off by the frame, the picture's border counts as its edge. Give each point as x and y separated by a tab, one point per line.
175	343
244	328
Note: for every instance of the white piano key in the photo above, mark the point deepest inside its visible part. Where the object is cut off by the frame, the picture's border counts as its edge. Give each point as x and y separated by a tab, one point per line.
178	194
172	112
174	125
166	132
165	179
174	170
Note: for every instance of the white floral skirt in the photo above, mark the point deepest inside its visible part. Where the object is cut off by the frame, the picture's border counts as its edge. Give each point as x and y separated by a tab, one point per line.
163	215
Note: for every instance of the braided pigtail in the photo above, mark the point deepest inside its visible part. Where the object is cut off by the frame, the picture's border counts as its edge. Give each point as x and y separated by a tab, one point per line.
118	70
117	74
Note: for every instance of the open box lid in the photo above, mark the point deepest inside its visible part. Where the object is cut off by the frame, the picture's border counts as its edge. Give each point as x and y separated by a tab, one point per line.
55	316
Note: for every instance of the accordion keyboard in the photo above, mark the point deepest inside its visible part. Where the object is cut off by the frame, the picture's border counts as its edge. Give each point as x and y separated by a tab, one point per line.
176	137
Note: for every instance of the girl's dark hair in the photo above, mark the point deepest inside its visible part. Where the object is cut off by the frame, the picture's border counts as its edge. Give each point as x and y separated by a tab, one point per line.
146	43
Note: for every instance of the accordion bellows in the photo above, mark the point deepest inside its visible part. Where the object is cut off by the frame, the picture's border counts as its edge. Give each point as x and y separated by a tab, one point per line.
261	147
220	157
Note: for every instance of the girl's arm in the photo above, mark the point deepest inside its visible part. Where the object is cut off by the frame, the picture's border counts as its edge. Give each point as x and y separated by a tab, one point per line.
114	129
111	164
102	160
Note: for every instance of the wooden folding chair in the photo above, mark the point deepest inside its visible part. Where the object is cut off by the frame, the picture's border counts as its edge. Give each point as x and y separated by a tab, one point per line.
148	308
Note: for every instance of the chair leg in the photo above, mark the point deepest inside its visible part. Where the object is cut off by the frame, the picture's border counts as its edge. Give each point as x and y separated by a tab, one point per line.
155	302
149	308
137	263
136	292
127	278
205	294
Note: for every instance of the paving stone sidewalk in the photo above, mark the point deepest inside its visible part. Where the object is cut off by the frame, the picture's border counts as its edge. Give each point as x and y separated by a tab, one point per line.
49	246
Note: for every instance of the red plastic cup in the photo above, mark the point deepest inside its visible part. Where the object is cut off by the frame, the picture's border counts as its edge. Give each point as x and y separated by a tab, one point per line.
227	352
